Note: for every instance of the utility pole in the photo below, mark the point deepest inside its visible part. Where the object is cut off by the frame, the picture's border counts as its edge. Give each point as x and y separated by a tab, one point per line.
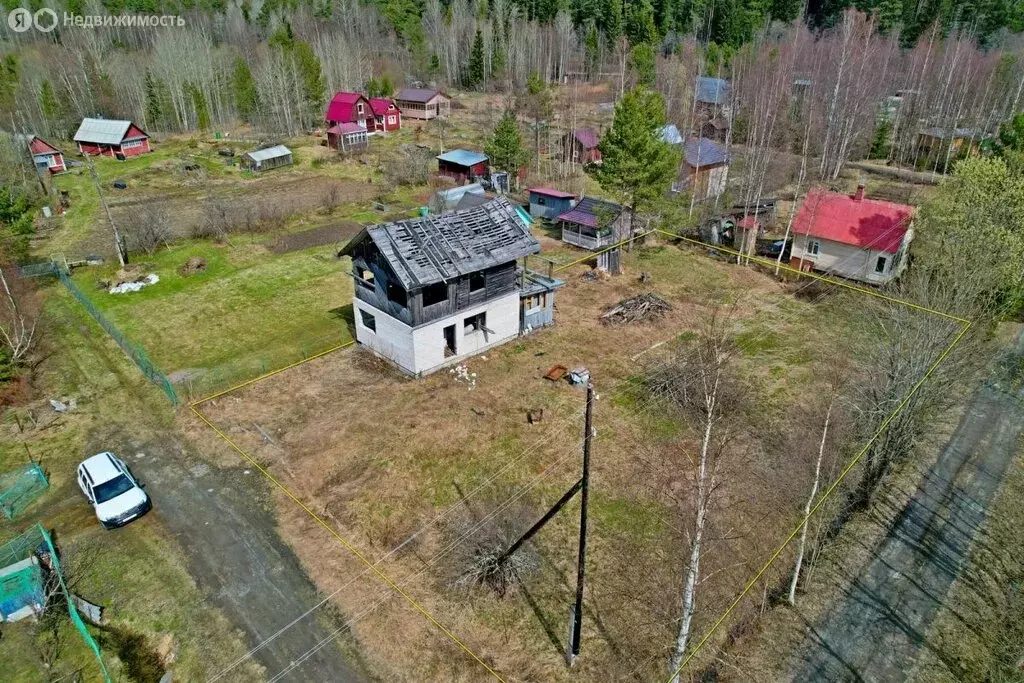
577	615
118	243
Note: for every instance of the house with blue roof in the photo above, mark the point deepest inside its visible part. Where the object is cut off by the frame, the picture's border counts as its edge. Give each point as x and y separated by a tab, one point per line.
712	108
704	170
463	165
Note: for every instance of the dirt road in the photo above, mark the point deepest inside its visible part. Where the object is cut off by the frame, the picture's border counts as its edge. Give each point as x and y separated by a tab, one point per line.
223	522
874	633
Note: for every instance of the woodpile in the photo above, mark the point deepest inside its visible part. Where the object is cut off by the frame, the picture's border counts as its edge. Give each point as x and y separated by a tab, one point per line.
638	309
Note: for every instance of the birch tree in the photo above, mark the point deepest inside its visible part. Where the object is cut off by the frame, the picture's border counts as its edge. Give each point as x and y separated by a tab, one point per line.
702	384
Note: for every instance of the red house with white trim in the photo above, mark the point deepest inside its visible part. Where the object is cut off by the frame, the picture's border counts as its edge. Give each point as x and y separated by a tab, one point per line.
387	116
852	236
111	138
350	107
45	155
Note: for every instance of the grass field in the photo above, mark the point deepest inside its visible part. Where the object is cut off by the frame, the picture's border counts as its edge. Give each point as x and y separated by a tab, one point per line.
153	608
453	457
250	310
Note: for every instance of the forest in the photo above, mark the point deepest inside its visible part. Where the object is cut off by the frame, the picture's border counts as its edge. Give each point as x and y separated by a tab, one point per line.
845	87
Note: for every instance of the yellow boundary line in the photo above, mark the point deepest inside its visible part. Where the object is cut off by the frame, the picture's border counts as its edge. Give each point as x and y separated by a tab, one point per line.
194	407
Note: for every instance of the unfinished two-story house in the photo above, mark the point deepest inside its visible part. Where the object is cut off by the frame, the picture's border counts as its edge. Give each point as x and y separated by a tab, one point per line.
432	290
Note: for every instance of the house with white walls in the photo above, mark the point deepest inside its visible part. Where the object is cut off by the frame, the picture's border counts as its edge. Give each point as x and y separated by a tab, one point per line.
433	290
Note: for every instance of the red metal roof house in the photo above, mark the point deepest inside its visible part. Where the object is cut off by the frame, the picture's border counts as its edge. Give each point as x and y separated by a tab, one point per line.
386	114
852	236
350	107
45	155
112	138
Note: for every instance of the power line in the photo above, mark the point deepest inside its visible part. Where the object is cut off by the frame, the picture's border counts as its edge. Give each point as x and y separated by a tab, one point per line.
628	381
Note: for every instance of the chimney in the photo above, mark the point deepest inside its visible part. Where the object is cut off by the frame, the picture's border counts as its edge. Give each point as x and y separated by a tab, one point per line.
860	192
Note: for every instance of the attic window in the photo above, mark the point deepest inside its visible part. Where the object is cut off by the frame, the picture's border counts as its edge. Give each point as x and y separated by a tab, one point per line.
477	281
435	293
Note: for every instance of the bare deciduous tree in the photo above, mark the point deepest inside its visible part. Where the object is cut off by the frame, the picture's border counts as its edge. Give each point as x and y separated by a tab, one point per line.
702	384
20	314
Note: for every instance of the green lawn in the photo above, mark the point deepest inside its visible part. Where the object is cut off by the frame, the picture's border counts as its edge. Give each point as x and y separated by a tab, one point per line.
250	311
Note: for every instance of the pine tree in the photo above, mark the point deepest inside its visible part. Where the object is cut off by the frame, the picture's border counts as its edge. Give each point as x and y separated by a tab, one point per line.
156	109
52	108
640	26
199	105
244	87
475	71
592	49
505	148
880	144
611	20
636	163
539	107
643	63
498	53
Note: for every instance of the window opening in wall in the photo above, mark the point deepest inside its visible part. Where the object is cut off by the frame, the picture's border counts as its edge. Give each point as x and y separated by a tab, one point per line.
397	295
475	323
880	264
369	322
435	294
477	281
366	278
449	341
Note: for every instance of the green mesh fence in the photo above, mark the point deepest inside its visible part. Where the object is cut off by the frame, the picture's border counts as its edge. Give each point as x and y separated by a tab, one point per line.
135	352
22	584
18	489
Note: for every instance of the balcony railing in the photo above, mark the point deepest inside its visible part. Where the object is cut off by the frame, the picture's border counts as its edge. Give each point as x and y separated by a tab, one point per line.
593	243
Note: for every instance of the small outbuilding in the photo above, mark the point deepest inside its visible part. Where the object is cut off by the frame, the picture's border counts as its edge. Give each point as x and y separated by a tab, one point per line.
423	103
457	198
581	146
705	169
592	224
266	159
548	203
111	138
670	133
45	156
348	137
462	165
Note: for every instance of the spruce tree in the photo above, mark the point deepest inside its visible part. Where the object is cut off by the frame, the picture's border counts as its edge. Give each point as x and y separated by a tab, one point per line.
244	87
475	71
636	163
505	148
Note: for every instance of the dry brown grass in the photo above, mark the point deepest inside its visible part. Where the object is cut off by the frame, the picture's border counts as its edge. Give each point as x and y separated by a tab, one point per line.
398	466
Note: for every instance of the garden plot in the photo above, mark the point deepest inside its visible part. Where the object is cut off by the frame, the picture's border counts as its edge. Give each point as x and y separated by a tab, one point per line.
419	476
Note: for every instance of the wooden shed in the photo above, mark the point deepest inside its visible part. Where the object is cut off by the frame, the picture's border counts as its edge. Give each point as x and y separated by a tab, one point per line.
266	159
548	203
462	165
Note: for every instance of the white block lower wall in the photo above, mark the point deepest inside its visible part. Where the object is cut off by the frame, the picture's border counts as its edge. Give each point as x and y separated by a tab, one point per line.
420	350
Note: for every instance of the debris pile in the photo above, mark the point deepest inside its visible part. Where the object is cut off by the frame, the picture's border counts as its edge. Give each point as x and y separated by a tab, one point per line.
462	375
638	309
596	274
135	285
194	265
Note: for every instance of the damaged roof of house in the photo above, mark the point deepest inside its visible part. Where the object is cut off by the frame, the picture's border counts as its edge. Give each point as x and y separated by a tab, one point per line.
430	249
